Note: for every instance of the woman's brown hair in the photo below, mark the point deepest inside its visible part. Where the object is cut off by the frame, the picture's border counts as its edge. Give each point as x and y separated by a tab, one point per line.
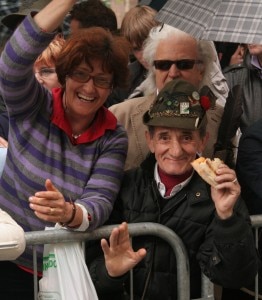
49	56
96	43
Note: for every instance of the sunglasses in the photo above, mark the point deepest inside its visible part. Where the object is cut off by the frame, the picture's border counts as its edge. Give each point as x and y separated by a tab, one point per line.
83	77
182	64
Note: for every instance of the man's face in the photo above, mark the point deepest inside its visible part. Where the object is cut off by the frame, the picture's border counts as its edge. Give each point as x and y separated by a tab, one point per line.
177	48
74	25
175	149
255	49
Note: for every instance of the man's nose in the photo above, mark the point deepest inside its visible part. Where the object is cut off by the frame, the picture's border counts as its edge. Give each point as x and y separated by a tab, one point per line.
174	72
175	148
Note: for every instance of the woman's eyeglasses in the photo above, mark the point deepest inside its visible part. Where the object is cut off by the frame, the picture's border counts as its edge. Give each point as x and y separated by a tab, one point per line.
84	77
45	72
182	64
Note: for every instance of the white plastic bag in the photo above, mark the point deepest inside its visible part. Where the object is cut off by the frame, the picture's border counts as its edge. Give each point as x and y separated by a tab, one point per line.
65	274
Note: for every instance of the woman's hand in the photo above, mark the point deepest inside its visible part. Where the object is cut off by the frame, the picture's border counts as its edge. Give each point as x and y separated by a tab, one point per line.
226	192
119	254
50	205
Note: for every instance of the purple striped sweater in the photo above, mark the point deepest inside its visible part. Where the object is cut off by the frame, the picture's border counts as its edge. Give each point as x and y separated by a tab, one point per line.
89	173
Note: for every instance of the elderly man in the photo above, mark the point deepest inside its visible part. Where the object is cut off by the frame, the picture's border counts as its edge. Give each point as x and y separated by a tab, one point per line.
172	53
213	223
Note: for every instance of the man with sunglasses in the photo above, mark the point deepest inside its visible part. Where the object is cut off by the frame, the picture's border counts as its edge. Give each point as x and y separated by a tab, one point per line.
171	53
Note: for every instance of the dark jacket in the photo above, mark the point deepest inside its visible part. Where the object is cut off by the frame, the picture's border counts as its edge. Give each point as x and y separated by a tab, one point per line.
243	106
249	167
223	248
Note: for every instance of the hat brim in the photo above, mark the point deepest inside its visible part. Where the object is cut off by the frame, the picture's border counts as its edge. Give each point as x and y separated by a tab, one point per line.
13	20
173	122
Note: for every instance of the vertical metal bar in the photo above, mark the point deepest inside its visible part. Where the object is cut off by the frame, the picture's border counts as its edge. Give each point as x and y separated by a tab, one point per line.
207	288
256	279
131	280
35	273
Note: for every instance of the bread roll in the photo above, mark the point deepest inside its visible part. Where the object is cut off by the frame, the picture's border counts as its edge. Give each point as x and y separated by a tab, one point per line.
206	168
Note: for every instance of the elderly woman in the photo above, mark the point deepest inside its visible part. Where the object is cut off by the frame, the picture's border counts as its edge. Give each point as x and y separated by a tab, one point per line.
66	151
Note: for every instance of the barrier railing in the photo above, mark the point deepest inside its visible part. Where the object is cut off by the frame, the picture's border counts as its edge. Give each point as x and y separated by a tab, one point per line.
57	236
136	229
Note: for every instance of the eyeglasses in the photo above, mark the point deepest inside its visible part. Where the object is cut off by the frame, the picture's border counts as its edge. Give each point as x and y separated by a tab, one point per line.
183	64
45	72
84	77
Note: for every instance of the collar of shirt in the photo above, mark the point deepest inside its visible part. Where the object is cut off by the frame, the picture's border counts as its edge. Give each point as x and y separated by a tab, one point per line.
256	64
162	189
103	121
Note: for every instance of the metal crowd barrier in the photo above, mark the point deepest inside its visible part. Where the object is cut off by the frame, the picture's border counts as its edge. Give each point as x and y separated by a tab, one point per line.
35	238
256	221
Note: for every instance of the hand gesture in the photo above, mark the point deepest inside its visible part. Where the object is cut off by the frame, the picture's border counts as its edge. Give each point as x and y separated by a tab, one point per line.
50	205
119	254
226	193
238	56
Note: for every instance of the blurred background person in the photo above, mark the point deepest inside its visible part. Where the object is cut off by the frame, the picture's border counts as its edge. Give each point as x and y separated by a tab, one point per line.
135	27
92	13
244	106
44	66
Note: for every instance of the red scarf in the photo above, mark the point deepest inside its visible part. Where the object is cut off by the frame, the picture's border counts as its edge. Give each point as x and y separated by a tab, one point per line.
103	121
172	180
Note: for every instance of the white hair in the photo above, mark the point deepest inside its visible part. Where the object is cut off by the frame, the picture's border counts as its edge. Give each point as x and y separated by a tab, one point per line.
205	49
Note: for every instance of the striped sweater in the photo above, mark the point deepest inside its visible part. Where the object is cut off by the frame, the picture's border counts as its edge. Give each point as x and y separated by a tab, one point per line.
90	174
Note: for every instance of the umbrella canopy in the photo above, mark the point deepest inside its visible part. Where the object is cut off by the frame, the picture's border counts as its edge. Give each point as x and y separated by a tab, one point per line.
238	21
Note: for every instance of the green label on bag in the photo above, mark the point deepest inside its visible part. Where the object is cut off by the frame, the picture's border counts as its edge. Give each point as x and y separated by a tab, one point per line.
49	261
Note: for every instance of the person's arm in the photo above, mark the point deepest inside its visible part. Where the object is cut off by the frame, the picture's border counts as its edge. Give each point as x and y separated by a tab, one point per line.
230	122
52	15
12	238
226	193
228	255
249	167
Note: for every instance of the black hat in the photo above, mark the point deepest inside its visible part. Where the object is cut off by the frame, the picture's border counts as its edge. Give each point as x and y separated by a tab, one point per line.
13	20
178	105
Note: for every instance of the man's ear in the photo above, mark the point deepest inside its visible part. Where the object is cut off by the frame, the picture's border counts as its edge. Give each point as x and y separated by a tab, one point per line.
149	141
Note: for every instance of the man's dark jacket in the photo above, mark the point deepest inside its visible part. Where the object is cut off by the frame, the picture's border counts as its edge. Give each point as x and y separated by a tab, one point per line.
243	106
224	249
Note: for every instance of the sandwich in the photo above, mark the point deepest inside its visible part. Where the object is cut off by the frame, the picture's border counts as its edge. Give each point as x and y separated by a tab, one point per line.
207	168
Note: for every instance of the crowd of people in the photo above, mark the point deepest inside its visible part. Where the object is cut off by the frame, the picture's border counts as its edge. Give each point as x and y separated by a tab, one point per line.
101	127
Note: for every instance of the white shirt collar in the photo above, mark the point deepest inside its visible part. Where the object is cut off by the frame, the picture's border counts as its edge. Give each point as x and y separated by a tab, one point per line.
161	187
